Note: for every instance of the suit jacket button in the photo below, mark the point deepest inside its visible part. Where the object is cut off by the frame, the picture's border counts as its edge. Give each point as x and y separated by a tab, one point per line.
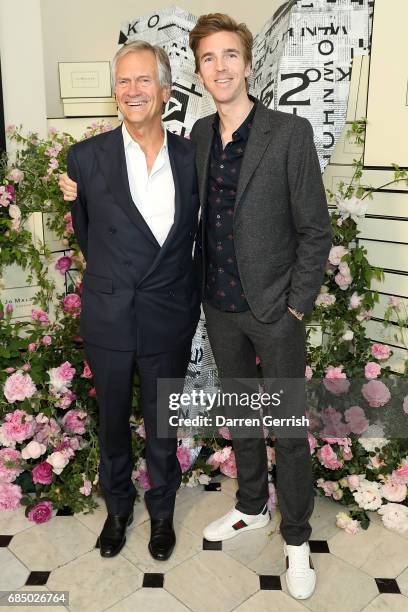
171	293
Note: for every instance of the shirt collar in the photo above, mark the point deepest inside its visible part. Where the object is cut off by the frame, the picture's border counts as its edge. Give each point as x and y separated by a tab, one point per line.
243	130
129	141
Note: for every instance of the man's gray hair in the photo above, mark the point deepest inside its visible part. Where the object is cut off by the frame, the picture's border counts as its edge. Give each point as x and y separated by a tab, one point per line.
162	60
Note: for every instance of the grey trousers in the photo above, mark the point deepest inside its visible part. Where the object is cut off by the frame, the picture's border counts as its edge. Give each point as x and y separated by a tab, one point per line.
236	339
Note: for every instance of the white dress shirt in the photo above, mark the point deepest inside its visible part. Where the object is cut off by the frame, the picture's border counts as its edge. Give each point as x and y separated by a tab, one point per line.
153	195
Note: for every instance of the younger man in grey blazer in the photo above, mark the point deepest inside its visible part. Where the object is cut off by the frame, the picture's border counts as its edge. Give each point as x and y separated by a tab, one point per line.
265	241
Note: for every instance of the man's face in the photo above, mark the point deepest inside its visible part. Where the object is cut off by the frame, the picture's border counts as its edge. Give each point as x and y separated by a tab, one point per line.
139	94
222	66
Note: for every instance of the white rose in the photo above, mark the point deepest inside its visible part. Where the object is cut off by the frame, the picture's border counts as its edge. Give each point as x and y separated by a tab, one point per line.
368	495
33	450
58	460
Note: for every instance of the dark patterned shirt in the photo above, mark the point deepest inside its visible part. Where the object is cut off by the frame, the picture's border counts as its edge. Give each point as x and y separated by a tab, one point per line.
223	286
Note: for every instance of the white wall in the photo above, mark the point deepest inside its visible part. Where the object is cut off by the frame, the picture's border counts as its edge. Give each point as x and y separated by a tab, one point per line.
22	66
88	30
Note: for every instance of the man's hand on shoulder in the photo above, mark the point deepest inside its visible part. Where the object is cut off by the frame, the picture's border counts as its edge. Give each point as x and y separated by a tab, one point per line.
68	187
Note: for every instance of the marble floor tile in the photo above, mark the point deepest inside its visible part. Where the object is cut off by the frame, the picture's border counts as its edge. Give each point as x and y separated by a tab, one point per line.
340	586
13	574
211	582
378	551
388	602
196	512
13	521
261	550
271	601
187	545
323	519
46	546
95	583
402	581
94	521
149	600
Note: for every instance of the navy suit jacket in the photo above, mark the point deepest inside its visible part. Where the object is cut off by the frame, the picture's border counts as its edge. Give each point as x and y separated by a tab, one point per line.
136	294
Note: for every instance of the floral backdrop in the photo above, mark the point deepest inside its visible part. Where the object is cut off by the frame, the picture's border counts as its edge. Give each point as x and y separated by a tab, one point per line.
48	405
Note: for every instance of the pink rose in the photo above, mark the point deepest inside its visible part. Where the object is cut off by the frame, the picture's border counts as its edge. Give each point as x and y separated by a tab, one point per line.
68	223
41	513
46	340
393	491
19	387
376	393
372	370
343	279
86	371
355	416
353	481
15	175
184	457
40	316
141	431
72	304
229	467
42	473
66	371
336	254
308	372
271	456
32	347
10	464
272	499
92	392
356	301
336	381
328	486
400	475
381	352
63	264
75	421
141	475
18	426
59	460
10	495
10	370
86	488
224	431
328	458
26	367
312	442
325	300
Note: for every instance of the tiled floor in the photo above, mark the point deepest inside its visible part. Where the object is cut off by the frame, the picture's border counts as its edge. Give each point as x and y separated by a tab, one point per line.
364	572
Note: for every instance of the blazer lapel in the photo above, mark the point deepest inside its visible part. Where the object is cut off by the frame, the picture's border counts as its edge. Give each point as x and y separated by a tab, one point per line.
179	161
111	156
203	153
258	141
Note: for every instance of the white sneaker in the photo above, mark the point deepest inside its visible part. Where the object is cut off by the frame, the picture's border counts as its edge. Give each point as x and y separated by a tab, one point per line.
233	523
300	573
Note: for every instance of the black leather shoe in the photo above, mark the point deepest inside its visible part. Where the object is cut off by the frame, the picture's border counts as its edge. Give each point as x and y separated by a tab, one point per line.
113	534
162	539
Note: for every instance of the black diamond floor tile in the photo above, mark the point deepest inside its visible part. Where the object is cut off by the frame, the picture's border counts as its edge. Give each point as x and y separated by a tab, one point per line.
213	486
211	545
65	512
38	578
153	581
270	583
319	546
387	585
5	540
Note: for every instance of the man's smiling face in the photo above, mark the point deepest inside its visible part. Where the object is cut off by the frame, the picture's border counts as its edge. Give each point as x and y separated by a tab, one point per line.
222	66
139	95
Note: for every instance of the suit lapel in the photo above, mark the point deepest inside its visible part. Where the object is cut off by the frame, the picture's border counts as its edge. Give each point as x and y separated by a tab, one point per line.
111	156
203	160
258	141
179	162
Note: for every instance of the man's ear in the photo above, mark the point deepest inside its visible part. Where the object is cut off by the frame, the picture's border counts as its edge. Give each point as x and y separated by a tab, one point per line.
166	94
248	70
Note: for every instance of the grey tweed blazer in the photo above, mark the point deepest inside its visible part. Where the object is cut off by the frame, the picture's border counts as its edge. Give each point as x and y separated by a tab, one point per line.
281	224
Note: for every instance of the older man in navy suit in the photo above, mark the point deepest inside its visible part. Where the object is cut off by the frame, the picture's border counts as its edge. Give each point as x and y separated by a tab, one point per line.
135	219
